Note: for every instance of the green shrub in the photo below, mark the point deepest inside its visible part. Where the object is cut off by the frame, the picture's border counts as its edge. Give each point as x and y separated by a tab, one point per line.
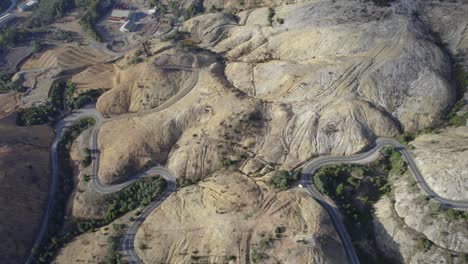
355	188
12	36
229	164
382	2
257	256
6	85
452	214
395	163
460	76
193	9
339	189
56	94
87	159
282	180
82	99
113	254
271	14
424	244
69	94
135	60
37	115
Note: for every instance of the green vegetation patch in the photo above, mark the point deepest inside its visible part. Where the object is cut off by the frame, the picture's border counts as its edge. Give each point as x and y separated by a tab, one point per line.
136	58
73	101
282	180
140	193
355	188
87	159
37	115
13	36
56	96
195	8
6	85
460	76
271	15
49	10
53	240
424	244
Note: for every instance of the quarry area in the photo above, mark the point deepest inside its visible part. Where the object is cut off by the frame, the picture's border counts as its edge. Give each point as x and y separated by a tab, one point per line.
218	131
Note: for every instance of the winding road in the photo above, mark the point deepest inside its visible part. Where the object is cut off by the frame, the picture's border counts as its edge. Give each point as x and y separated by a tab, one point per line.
366	157
90	112
128	247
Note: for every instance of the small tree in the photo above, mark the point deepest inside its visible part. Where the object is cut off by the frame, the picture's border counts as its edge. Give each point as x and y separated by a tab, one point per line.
424	244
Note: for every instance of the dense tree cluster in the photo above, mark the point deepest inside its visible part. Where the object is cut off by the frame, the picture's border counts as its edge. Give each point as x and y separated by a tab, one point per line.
355	188
282	180
37	115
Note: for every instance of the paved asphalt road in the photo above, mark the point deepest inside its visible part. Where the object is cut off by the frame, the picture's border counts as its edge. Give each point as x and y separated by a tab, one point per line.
90	111
307	172
310	168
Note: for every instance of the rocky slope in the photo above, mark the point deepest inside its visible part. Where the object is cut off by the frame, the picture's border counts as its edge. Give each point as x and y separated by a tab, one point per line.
231	217
327	76
266	89
401	221
442	159
145	85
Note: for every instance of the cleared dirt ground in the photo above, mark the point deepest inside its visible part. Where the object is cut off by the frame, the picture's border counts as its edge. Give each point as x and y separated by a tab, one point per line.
24	184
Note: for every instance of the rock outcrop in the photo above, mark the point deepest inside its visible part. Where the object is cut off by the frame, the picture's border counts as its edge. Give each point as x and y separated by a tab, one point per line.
230	217
442	159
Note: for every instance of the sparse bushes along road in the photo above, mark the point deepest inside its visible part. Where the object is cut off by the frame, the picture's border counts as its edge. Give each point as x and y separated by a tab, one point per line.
140	193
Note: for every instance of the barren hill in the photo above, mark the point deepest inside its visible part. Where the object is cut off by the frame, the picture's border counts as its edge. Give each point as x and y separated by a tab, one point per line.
24	185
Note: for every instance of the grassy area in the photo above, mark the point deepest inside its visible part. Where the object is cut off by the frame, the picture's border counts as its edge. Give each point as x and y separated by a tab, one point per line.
355	188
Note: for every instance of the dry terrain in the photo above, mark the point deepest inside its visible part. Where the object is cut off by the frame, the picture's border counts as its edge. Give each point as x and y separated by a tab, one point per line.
231	217
24	185
266	85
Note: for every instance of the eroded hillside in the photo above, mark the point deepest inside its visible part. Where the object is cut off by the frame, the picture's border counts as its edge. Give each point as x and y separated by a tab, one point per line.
233	95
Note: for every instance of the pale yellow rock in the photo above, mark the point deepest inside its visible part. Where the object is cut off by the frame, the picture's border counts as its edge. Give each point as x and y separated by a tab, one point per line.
228	216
